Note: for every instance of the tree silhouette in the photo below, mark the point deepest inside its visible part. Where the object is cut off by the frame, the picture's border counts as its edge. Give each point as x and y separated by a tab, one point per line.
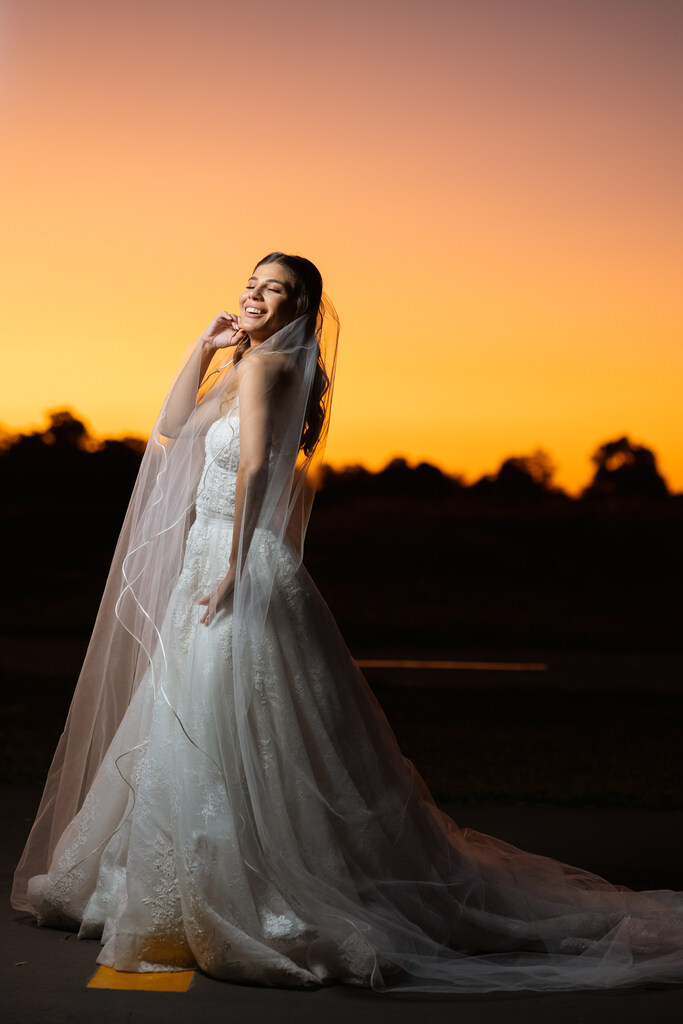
65	463
66	431
625	469
396	479
527	471
521	476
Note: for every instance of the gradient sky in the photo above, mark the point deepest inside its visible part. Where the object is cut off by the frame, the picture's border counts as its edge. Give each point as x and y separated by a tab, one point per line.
492	189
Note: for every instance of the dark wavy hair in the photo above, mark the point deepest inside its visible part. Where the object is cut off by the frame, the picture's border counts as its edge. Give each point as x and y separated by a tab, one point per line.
306	299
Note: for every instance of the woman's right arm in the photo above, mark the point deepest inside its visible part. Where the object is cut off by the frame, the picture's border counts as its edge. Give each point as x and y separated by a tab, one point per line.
260	385
223	332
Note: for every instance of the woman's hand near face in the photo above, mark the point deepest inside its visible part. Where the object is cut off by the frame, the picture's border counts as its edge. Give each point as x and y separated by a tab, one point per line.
214	600
224	331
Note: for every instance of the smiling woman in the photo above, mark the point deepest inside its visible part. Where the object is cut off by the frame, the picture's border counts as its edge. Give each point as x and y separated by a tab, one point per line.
266	302
227	792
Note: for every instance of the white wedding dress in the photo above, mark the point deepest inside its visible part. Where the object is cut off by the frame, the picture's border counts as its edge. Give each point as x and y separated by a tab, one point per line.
347	872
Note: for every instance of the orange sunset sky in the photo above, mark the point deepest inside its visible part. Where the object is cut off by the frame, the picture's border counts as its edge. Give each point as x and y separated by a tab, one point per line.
492	189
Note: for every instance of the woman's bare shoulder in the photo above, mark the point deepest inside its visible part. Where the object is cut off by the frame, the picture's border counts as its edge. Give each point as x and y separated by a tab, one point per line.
266	367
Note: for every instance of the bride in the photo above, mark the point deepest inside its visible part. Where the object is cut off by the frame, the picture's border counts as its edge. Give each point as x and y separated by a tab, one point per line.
227	794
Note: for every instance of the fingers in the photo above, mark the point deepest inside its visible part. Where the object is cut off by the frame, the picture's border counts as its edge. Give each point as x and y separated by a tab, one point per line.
211	601
208	614
227	331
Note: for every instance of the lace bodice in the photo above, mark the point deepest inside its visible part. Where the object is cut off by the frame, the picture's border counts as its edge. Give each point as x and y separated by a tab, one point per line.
216	491
218	482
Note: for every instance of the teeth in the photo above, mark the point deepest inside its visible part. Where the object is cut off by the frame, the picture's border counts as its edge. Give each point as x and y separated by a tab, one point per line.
252	309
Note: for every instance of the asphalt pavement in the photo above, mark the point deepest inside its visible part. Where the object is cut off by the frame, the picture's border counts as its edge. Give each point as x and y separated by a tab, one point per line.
45	972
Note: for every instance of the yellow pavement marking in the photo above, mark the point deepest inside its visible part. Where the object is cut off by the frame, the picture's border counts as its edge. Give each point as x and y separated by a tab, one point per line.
501	666
147	981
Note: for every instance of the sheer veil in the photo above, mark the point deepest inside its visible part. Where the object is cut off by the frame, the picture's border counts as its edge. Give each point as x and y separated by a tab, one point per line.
128	640
303	846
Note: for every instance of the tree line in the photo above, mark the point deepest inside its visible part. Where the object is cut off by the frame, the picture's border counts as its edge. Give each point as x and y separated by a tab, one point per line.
65	453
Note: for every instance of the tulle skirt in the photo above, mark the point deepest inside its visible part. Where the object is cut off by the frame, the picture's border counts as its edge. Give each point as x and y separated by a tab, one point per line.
296	846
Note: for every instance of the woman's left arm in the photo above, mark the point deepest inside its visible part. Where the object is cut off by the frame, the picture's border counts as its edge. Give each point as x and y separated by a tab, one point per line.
257	388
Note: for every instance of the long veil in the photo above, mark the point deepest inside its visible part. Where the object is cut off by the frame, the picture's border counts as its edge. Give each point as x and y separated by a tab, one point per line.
128	639
308	848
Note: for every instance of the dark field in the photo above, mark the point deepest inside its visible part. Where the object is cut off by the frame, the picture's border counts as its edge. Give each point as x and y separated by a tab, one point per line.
591	588
526	745
461	572
499	741
448	572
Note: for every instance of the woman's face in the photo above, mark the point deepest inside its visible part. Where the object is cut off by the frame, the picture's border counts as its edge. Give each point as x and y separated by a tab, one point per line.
267	304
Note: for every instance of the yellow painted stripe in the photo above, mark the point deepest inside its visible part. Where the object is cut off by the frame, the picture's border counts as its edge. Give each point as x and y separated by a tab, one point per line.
498	666
146	981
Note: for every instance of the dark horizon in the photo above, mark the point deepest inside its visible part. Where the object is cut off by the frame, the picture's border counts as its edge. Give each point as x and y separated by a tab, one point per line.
622	468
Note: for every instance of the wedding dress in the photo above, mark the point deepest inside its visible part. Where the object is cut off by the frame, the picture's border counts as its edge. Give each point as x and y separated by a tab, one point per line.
301	848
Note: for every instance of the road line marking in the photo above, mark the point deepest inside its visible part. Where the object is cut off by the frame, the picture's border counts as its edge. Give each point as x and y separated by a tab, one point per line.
147	981
497	666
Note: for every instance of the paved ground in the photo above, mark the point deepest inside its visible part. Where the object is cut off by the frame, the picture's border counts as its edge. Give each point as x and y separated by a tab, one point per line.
45	972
